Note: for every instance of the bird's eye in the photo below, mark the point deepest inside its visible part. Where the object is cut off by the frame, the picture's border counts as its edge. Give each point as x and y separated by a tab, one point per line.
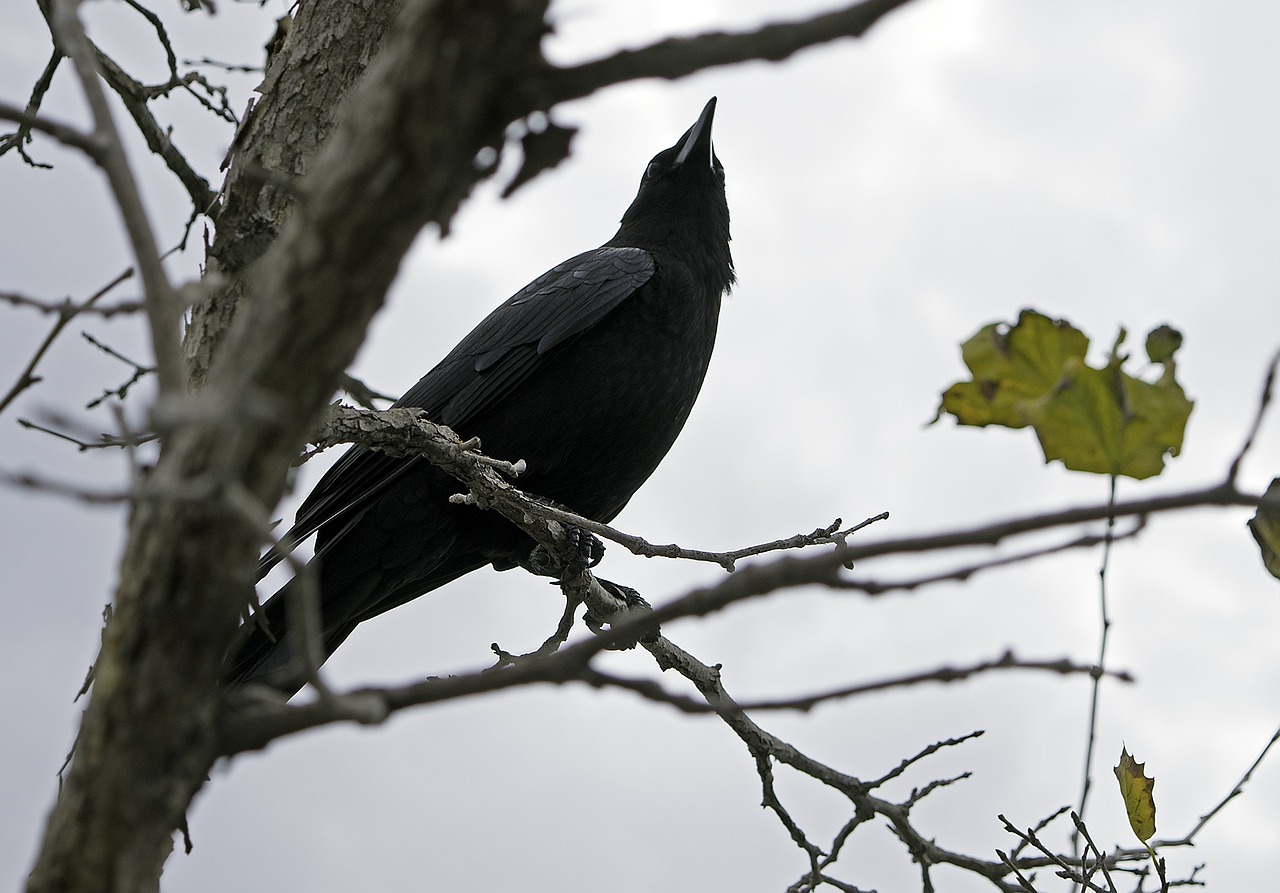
652	170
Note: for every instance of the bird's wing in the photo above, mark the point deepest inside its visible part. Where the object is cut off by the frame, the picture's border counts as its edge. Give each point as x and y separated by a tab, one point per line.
507	346
498	354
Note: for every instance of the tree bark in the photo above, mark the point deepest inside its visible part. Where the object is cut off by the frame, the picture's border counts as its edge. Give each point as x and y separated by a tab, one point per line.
326	50
401	156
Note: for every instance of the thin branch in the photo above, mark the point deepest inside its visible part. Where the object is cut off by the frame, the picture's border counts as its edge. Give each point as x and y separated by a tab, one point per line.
1236	791
1007	661
1070	869
1024	884
764	769
571	665
28	120
66	313
829	535
926	752
1263	402
364	395
66	305
163	311
162	36
407	432
121	391
134	96
679	57
1101	857
963	574
1224	494
1041	825
81	441
66	134
918	794
61	488
551	644
225	66
1095	692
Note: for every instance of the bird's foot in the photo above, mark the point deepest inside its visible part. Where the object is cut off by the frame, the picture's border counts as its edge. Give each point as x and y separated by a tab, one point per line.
635	602
584	551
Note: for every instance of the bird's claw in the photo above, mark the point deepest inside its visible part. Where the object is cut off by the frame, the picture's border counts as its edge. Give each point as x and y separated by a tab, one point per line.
635	602
585	551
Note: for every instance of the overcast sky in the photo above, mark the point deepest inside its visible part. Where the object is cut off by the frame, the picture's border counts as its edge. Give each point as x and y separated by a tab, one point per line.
1111	163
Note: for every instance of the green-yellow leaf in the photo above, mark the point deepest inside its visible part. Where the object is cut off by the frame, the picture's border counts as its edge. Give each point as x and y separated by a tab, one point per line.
1136	789
1104	420
1265	526
1010	365
1162	343
1108	422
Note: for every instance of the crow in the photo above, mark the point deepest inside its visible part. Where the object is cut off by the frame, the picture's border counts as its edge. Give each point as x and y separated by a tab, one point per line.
588	373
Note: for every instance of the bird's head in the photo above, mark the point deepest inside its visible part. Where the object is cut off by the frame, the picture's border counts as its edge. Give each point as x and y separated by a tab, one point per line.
681	205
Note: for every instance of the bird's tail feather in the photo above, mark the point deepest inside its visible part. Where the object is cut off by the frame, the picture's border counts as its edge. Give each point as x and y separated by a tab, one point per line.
266	650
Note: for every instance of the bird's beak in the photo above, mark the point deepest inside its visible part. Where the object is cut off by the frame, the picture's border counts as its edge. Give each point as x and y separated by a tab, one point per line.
696	141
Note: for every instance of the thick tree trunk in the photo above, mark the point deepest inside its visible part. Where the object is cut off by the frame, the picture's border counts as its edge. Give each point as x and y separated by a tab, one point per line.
326	49
401	156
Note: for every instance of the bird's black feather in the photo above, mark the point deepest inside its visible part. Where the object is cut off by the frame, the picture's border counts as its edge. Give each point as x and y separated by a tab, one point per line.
587	373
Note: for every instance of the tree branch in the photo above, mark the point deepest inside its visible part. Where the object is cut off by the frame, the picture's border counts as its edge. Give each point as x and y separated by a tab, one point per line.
163	312
66	311
679	57
29	118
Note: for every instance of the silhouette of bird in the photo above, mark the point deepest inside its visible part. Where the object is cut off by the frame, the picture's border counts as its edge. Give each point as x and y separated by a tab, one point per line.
588	373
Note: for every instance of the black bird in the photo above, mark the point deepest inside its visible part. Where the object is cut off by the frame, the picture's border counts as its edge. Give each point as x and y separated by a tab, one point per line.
587	373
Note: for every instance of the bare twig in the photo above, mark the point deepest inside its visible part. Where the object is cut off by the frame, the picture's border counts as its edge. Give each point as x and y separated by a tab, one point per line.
135	95
121	391
67	306
962	574
1024	884
163	311
926	752
61	488
1263	402
551	644
1078	822
405	431
1235	791
678	57
66	313
1041	825
1223	494
1006	661
81	440
224	66
1069	868
364	395
1096	689
829	535
764	768
28	120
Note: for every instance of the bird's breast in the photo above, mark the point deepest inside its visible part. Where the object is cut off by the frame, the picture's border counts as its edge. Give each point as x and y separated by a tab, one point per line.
602	410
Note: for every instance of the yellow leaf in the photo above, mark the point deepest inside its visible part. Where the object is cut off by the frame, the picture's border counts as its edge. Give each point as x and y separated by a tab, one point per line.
1100	420
1265	525
1108	422
1136	789
1011	364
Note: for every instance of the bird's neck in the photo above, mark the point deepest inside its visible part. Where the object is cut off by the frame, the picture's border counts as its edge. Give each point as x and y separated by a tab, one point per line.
709	259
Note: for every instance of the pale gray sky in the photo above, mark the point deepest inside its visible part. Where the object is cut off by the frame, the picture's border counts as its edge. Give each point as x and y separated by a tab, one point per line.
1110	163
